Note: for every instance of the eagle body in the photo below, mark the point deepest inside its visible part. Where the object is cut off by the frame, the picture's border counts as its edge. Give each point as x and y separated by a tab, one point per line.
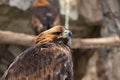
44	61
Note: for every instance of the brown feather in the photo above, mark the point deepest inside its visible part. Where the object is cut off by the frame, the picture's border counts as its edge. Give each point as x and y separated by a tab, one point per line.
47	36
48	60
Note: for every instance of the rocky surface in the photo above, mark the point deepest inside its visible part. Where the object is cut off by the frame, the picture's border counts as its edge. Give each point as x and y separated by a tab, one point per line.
90	11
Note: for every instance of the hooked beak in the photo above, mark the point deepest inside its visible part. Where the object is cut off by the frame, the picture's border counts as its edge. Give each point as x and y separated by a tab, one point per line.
67	34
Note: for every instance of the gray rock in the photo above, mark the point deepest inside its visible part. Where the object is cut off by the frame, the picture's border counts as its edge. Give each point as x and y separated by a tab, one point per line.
21	4
90	11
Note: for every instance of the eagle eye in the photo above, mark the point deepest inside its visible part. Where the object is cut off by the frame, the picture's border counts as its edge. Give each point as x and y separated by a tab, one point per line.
57	33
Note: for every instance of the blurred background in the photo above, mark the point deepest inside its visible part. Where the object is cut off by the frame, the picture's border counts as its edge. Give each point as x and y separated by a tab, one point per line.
88	19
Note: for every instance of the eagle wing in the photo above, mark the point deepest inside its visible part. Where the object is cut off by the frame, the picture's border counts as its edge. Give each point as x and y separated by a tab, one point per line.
40	63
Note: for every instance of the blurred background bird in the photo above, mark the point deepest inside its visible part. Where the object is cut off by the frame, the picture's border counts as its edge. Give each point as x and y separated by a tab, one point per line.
44	16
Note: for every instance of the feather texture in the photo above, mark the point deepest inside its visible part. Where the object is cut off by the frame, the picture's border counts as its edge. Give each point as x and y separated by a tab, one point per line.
42	62
49	59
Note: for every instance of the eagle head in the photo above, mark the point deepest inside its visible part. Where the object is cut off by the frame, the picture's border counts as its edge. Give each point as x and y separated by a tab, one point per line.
56	34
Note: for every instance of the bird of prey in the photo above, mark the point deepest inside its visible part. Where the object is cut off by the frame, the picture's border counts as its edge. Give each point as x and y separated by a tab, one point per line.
49	59
44	16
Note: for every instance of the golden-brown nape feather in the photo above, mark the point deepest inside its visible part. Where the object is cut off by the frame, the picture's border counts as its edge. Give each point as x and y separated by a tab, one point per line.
39	3
48	35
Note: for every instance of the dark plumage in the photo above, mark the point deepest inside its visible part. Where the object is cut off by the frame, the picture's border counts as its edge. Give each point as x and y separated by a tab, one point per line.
49	59
44	16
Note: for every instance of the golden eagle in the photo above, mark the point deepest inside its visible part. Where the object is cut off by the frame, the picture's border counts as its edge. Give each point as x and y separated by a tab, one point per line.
49	59
44	16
